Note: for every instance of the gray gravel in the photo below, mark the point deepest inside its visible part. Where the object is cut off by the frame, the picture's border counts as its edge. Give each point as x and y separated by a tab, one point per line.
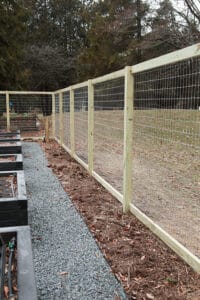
61	241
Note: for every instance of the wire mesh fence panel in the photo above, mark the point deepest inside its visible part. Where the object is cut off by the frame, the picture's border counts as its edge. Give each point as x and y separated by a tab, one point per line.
66	118
57	117
81	122
166	149
28	113
109	132
3	120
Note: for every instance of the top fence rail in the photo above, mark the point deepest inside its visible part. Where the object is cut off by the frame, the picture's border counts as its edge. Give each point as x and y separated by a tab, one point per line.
167	59
170	58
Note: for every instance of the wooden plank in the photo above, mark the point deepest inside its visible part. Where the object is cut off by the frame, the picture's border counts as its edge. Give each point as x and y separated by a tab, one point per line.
33	138
67	149
177	247
79	85
47	129
90	126
7	111
108	187
110	76
80	161
67	89
61	117
72	135
53	115
30	93
128	139
173	57
57	140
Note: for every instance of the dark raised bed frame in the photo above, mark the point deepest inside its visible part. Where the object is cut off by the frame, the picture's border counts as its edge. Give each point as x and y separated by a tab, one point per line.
13	147
25	273
14	165
13	210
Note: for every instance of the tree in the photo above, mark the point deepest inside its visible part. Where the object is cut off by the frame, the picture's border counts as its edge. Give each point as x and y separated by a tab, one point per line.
12	33
47	67
171	30
56	27
114	35
193	8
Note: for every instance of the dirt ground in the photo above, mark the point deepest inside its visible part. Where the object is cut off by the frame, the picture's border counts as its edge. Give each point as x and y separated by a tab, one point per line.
147	268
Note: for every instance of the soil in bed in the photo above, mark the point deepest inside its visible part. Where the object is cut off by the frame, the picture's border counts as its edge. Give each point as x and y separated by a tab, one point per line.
8	186
146	267
7	158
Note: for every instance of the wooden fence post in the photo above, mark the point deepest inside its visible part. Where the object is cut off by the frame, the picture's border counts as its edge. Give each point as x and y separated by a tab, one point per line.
53	115
61	117
90	126
72	137
128	139
47	129
8	111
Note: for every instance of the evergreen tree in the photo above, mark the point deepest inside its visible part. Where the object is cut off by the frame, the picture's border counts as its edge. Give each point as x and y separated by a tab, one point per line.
114	35
12	34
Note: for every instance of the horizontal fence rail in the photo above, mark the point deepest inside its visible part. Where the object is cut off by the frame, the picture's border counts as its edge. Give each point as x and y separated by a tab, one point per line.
137	131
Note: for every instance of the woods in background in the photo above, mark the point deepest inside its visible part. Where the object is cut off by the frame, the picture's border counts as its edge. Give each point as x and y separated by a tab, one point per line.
50	44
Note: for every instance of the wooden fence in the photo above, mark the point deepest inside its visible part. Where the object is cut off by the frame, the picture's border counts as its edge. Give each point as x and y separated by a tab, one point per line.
129	127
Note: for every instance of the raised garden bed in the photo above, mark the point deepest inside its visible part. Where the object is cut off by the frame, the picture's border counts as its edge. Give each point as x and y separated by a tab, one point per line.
9	134
17	276
11	137
20	122
10	162
13	201
10	147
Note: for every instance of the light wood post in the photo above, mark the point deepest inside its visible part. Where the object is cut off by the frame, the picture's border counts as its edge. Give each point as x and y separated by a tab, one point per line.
47	129
61	117
128	139
53	116
8	111
90	126
72	136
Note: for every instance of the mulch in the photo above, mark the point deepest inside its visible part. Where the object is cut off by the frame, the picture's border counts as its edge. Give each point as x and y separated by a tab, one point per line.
146	267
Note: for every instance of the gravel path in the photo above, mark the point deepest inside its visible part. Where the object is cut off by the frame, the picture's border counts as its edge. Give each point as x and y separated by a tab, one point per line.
68	263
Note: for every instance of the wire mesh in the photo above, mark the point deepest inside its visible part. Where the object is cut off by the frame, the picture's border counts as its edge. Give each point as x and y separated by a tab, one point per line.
28	112
166	150
81	122
3	122
57	117
66	118
108	131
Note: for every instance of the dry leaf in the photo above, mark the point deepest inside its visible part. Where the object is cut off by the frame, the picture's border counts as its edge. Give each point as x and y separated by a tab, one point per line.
6	291
63	273
14	288
150	296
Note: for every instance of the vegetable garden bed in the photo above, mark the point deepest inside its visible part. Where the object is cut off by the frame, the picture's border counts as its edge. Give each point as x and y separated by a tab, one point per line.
9	162
17	279
13	201
12	137
10	147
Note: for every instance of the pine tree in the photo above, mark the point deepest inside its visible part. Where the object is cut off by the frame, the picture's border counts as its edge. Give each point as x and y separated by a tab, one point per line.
12	35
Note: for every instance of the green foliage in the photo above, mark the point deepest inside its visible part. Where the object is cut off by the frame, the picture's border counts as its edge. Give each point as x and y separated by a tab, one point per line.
12	33
49	44
114	36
